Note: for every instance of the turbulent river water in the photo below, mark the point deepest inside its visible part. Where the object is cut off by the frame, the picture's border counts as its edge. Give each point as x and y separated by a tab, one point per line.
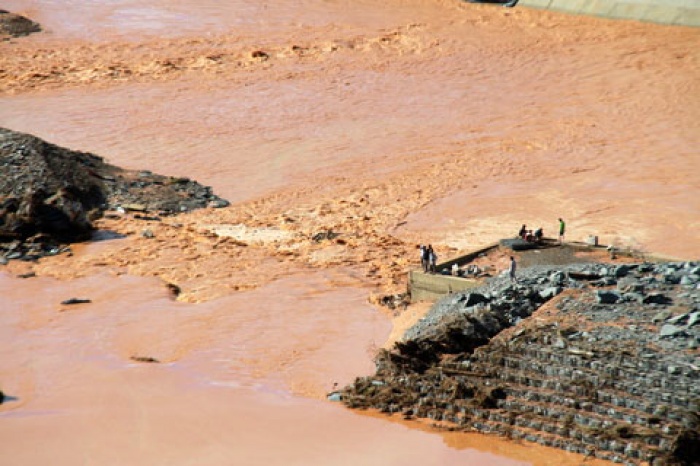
394	122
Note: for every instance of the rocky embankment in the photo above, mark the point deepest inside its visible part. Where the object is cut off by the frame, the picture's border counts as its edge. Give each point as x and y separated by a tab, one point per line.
597	359
49	195
13	25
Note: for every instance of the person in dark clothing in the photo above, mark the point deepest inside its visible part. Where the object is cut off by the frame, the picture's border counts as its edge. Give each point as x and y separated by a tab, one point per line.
562	230
539	234
522	232
424	258
432	259
511	269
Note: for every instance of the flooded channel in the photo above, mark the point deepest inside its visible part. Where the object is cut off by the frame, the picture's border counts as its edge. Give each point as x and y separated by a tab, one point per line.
445	122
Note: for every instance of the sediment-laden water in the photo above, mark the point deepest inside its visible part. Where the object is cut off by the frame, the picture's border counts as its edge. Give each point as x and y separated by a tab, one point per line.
389	123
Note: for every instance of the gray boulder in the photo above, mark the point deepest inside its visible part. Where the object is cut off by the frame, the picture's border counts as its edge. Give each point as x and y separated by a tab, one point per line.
657	298
693	319
607	297
550	292
668	331
621	271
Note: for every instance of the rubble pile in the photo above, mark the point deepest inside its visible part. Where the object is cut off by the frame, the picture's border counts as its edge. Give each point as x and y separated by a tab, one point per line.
49	195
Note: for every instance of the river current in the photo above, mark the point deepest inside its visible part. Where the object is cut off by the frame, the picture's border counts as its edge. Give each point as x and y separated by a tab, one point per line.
452	123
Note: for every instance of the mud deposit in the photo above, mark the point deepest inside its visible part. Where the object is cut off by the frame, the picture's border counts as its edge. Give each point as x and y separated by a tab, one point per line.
343	134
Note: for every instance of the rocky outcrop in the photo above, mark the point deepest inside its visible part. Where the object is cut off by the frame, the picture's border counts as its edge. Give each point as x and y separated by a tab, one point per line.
615	378
49	195
12	25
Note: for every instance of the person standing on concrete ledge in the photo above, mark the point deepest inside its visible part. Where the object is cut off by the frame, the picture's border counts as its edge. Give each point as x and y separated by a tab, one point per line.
562	229
432	259
424	258
511	269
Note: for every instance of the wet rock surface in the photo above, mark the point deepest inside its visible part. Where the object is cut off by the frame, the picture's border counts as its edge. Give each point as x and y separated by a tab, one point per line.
617	378
13	25
50	196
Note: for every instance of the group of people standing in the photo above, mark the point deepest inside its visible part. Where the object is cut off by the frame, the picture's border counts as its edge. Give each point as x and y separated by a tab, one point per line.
537	235
528	235
428	258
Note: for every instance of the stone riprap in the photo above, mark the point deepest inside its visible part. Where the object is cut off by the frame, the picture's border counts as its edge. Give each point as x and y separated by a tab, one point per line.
609	365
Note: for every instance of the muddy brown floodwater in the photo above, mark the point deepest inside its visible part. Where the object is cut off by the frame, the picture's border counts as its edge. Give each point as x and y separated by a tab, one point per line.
391	123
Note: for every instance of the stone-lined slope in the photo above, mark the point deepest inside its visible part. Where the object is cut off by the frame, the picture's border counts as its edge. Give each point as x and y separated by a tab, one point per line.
609	368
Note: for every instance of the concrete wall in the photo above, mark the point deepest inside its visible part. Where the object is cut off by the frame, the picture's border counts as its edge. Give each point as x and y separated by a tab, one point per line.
465	259
430	287
676	12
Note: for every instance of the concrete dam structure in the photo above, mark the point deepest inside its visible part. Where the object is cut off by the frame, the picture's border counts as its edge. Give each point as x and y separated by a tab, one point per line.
673	12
